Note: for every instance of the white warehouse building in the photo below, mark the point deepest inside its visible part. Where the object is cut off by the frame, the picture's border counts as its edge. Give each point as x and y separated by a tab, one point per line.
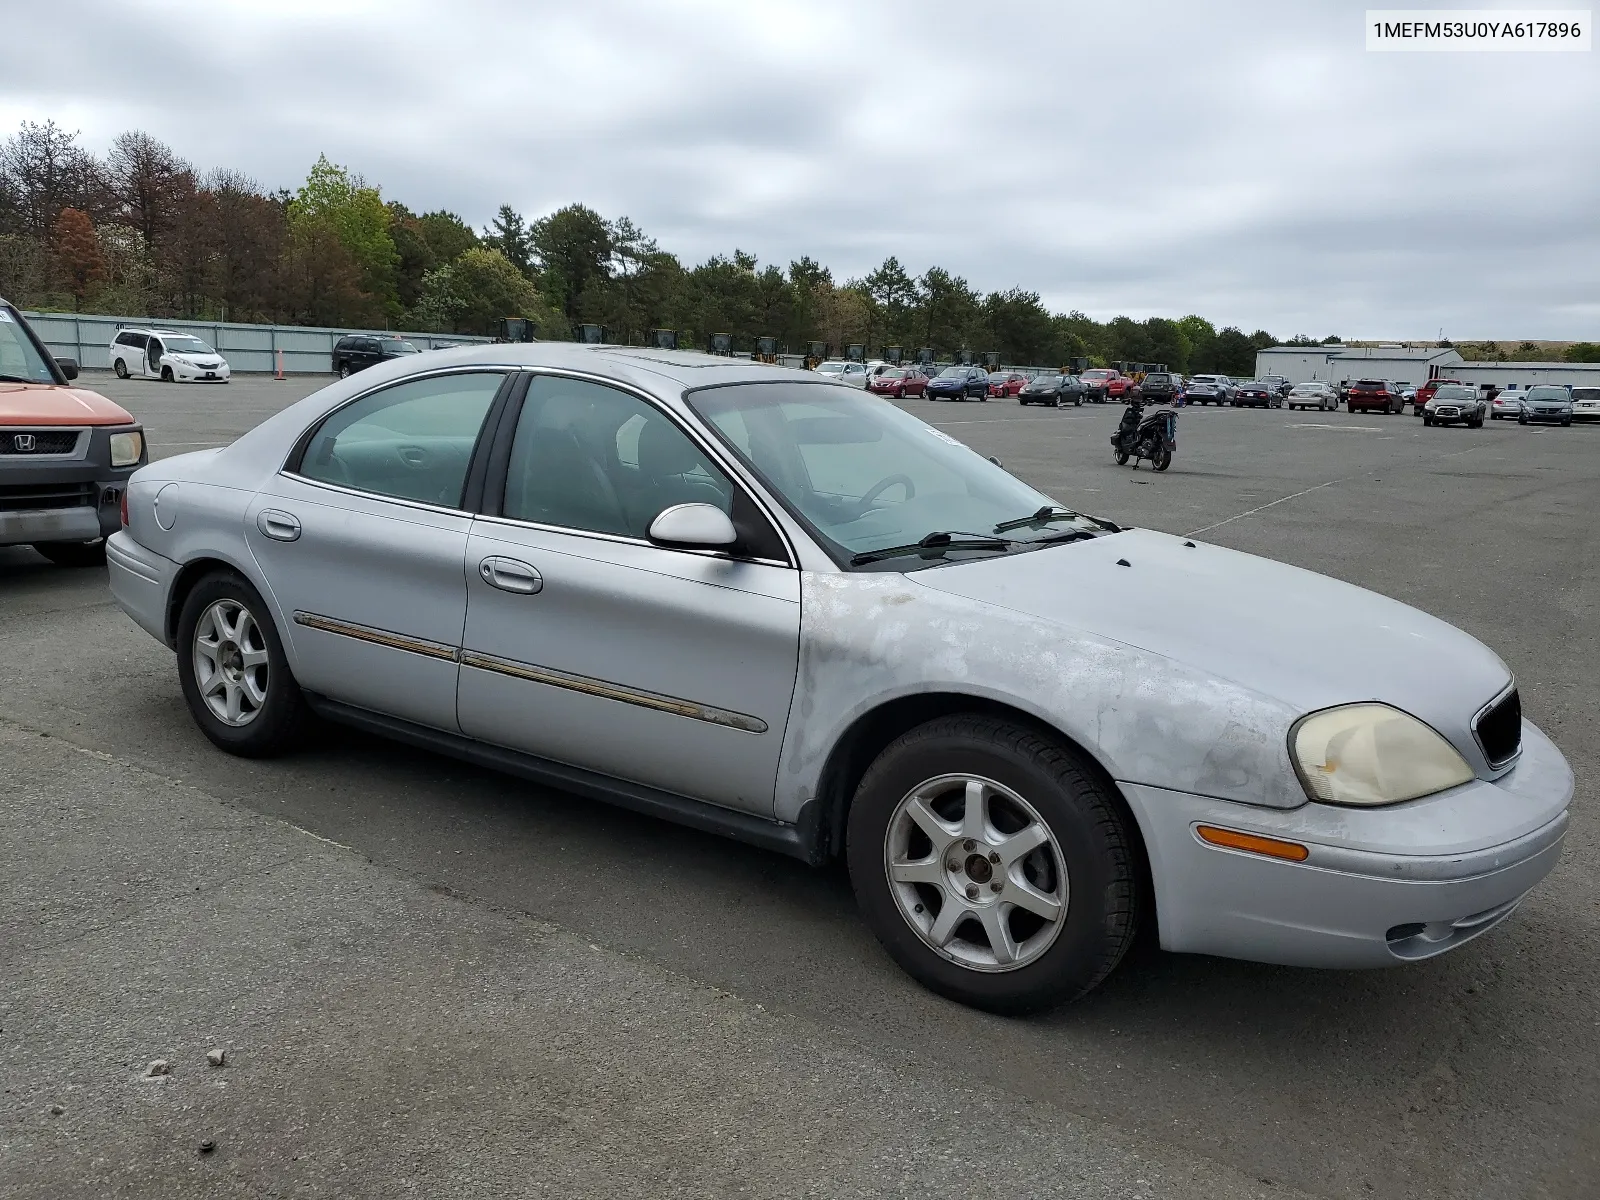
1415	365
1343	364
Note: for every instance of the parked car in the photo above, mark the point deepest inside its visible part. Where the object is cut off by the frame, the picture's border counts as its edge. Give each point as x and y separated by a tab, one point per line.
1426	391
1161	387
1052	389
1280	383
1585	403
359	351
1121	388
1456	403
66	453
1001	754
1095	382
1546	403
1256	393
1506	404
1317	394
1380	394
959	383
1003	384
898	382
163	354
1209	389
1408	395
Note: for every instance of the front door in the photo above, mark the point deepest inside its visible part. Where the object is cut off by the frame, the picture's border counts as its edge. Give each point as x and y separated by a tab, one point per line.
588	645
363	542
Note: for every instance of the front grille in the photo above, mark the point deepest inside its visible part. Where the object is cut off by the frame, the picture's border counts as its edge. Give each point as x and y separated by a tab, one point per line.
1499	729
26	497
47	441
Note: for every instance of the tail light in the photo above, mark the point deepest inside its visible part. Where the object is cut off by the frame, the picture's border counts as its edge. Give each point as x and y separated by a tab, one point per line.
122	507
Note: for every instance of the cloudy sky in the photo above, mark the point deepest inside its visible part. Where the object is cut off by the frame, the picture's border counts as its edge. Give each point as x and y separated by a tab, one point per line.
1245	160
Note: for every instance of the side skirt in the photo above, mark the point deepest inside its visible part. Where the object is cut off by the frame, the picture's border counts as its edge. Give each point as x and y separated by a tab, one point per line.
797	841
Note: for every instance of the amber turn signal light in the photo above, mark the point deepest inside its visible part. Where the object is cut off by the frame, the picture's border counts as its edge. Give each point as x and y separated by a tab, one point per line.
1252	843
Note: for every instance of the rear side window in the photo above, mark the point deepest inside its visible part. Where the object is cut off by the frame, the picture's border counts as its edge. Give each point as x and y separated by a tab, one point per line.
412	441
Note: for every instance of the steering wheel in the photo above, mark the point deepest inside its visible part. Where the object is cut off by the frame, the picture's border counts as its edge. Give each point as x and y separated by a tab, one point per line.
877	489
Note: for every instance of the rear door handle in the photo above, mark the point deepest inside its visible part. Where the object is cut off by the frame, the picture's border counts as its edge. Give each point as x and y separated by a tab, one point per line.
510	575
280	526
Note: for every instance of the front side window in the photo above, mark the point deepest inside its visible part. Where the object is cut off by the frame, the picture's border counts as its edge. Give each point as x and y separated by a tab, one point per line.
591	458
20	360
863	475
412	441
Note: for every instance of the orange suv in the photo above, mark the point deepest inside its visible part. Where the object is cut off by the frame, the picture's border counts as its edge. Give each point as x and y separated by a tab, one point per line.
65	452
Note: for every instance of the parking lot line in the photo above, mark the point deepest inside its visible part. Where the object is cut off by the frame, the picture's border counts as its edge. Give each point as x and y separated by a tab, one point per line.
1264	507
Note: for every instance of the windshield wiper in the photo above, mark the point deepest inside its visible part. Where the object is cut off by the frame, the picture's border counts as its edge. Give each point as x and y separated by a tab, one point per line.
936	545
1052	512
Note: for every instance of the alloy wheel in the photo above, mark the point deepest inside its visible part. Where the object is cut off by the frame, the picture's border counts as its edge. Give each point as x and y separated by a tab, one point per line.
976	872
231	667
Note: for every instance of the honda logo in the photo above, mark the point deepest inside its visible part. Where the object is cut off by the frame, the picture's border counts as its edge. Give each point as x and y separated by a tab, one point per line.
23	442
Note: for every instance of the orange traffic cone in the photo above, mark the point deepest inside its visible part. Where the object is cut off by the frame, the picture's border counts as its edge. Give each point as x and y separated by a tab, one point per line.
279	374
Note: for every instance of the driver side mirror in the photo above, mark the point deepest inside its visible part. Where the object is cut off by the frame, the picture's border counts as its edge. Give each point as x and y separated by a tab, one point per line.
68	366
693	526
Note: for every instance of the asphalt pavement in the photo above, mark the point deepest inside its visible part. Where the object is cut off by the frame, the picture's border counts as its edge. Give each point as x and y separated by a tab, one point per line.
434	980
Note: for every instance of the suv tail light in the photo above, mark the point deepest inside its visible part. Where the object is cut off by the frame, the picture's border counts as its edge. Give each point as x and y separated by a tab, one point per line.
122	507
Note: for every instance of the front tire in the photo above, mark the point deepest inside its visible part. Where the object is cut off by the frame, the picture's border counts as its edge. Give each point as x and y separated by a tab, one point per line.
166	374
1121	457
74	554
993	865
233	670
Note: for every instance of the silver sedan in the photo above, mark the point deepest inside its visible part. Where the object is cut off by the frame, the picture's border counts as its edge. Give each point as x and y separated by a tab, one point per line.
771	606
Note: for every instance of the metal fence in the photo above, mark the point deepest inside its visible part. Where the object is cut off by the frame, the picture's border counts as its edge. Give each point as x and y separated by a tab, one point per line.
87	338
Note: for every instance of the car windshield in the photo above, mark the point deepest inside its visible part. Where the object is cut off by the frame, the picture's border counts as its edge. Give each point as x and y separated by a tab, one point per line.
892	373
185	345
1454	393
396	346
1547	393
1048	380
19	357
1096	375
1369	383
831	368
863	475
954	373
1158	378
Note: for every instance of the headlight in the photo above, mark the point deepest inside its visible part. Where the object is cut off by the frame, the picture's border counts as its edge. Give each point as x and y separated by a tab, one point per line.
1372	754
126	448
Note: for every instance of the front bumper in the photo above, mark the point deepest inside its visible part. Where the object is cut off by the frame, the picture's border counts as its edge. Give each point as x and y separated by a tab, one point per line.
1381	886
1535	416
78	524
185	373
141	581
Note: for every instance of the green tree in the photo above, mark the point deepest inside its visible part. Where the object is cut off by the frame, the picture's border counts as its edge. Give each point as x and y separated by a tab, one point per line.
891	294
1019	326
950	310
573	248
356	214
508	233
1235	353
1583	352
482	286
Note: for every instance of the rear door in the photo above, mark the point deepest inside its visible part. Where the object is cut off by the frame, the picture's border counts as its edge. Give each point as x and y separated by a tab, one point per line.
362	540
586	644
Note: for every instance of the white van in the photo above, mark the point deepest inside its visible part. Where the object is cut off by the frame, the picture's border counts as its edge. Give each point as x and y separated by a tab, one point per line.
163	354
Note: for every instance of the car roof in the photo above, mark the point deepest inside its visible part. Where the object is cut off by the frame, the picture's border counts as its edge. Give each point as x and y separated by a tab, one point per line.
686	368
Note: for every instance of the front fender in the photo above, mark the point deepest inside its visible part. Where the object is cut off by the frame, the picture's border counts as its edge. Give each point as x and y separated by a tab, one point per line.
867	640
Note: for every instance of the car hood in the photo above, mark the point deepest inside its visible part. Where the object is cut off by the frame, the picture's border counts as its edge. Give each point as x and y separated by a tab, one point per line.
1302	639
52	404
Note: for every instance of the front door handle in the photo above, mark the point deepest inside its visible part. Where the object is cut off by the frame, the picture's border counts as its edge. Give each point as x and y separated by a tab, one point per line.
280	526
510	575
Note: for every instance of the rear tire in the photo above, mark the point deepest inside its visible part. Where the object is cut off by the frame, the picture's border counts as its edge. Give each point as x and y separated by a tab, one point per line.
964	774
1121	457
120	368
74	554
245	672
1162	460
344	371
